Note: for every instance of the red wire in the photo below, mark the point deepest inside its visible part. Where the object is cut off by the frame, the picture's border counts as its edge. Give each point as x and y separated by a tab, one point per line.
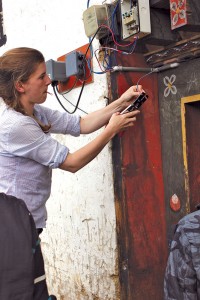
120	45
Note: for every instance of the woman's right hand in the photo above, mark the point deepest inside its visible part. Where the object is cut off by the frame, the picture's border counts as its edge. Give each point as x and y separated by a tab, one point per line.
119	122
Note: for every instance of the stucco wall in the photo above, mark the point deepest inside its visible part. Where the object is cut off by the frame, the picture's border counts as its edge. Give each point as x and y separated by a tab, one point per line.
79	244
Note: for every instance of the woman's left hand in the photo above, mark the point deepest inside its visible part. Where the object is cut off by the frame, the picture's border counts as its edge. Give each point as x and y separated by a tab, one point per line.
131	94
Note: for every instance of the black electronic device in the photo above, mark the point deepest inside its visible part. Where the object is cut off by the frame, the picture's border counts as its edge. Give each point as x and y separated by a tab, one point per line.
136	104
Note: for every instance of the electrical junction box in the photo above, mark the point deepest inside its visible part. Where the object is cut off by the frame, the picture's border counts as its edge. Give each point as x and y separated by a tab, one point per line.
93	17
56	70
79	67
135	18
75	66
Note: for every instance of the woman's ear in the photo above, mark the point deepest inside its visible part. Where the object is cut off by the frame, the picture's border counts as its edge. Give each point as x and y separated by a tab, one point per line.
19	86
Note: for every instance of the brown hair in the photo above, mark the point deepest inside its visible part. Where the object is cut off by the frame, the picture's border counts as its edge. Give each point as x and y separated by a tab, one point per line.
16	65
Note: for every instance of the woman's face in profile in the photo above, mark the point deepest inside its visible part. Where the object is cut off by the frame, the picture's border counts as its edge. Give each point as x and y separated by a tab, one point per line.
35	89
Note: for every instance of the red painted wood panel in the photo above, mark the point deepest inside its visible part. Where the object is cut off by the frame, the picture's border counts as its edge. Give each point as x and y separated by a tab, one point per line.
140	196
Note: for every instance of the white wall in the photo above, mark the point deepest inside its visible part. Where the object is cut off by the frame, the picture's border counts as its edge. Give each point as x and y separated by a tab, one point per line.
79	244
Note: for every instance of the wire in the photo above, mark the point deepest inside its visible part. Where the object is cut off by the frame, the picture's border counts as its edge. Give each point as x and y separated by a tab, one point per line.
108	67
74	105
119	45
107	60
66	92
89	59
103	71
83	82
77	103
143	77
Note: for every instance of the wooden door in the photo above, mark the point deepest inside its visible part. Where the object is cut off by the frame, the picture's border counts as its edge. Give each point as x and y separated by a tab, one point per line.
139	193
191	146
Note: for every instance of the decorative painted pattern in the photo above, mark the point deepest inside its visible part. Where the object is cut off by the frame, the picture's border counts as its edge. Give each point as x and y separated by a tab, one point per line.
170	87
175	203
178	13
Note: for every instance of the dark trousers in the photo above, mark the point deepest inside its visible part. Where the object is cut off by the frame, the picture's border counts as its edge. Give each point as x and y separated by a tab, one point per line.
22	275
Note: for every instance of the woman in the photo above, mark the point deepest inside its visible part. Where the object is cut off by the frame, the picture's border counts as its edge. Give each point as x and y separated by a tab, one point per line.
28	153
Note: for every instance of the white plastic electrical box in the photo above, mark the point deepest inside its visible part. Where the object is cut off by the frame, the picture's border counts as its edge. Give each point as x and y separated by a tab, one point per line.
94	17
135	18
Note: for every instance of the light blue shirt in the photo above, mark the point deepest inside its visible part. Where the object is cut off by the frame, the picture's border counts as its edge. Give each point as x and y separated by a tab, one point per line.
28	155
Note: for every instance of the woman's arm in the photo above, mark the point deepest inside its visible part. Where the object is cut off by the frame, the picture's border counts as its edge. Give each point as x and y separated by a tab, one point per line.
77	160
99	118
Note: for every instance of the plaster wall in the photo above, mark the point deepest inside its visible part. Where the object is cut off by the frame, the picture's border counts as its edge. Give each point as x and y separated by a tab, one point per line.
79	243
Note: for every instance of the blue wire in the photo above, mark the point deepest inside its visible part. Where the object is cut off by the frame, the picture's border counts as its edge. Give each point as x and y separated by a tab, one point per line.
108	63
89	66
112	17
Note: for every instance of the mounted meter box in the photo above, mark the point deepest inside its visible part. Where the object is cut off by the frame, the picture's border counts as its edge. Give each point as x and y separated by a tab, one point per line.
135	18
93	17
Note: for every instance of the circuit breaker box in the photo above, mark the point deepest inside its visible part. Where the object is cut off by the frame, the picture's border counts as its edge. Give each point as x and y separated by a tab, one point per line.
135	18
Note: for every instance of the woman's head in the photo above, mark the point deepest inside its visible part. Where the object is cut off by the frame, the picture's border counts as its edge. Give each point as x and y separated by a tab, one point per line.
17	65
